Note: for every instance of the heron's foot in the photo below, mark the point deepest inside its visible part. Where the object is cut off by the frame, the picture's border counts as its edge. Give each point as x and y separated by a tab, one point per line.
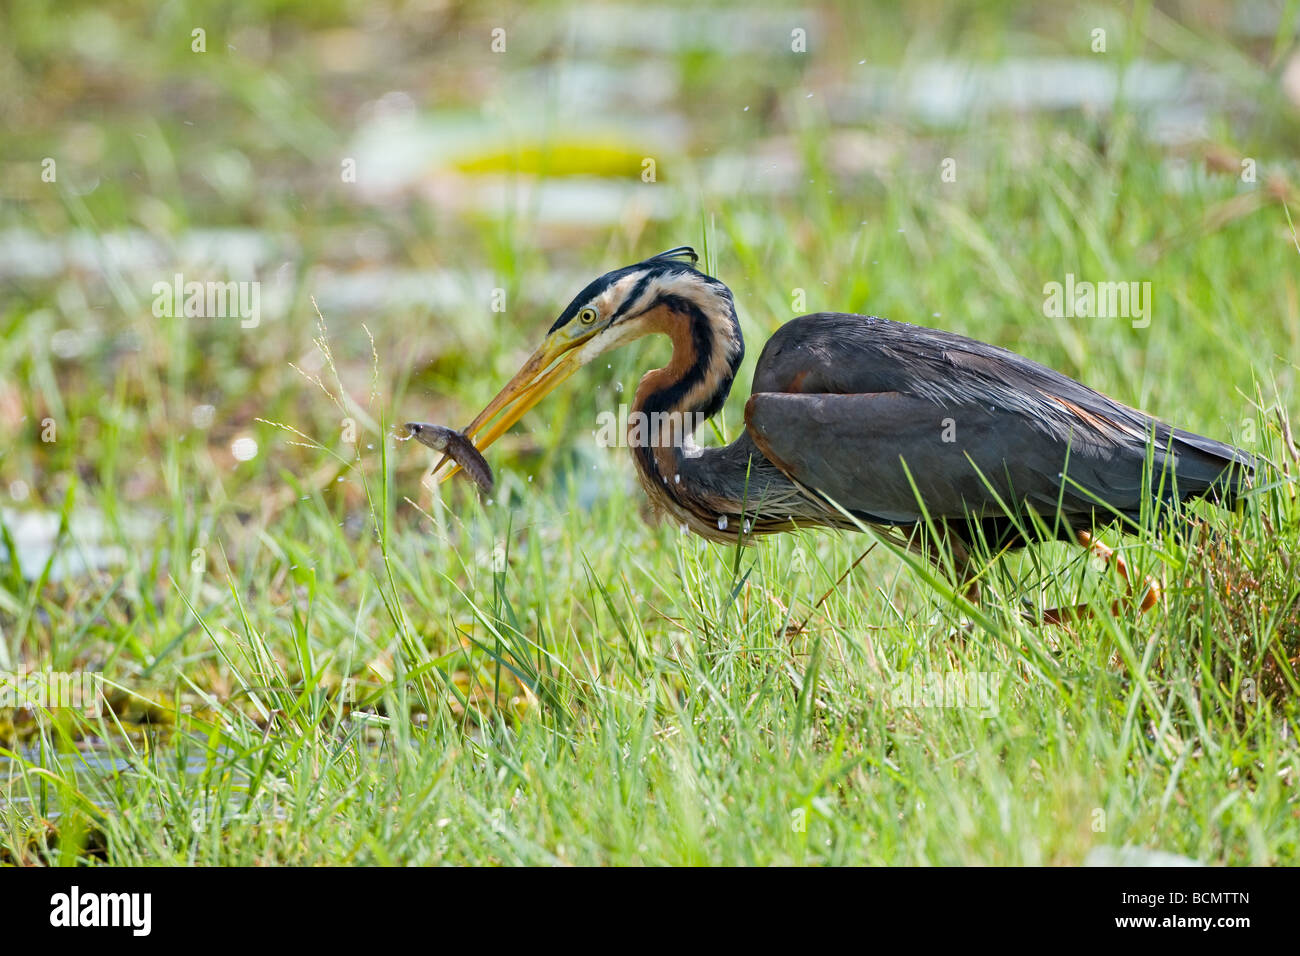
1151	587
1067	615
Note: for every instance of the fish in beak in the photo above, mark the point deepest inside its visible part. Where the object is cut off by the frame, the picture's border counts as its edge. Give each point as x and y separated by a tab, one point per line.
553	363
457	447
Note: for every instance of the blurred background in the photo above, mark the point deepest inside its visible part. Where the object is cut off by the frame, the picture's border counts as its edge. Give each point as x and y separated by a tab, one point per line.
441	177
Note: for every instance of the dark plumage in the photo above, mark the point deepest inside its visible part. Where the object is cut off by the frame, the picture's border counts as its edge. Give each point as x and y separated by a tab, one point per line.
842	401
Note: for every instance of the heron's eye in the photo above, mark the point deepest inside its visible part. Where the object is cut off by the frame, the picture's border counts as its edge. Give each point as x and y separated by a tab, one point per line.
587	316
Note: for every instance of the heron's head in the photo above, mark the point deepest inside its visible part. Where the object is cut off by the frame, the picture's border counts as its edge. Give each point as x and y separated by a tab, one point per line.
617	308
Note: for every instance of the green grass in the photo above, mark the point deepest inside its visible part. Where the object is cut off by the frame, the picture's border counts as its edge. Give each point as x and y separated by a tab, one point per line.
313	659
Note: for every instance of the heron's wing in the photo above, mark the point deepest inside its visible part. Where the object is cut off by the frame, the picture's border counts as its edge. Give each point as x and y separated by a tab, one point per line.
875	454
840	399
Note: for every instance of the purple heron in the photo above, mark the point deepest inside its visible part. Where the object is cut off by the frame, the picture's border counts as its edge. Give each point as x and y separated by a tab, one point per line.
856	420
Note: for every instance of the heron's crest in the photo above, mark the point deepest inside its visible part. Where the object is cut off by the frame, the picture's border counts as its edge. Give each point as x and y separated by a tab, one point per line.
681	252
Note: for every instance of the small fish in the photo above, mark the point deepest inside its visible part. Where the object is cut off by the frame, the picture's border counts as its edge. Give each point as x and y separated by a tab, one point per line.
458	447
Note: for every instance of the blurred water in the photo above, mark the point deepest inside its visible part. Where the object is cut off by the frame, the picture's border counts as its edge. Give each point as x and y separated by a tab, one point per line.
141	260
88	544
953	93
93	765
599	29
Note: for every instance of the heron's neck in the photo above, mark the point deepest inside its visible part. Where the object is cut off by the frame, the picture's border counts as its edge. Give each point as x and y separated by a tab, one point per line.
674	400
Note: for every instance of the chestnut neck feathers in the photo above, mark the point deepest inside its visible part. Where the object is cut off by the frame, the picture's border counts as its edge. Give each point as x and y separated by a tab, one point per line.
698	315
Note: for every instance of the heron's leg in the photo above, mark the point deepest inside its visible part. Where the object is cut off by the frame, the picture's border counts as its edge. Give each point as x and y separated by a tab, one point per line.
962	571
792	629
1150	594
964	568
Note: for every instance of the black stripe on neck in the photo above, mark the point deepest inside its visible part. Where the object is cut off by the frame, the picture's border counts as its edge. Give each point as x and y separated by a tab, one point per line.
707	345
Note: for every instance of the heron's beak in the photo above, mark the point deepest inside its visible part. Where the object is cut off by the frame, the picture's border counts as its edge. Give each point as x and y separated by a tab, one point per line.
550	365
